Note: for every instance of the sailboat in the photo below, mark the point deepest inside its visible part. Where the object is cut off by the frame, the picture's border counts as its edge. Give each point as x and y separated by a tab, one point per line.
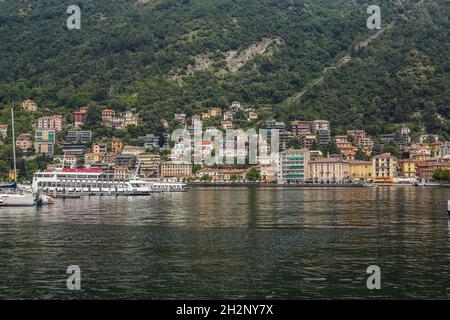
13	198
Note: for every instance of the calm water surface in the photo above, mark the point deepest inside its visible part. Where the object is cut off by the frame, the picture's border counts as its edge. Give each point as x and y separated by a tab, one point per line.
231	243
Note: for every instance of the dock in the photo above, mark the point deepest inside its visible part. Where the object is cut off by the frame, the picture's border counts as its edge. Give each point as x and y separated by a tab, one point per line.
68	196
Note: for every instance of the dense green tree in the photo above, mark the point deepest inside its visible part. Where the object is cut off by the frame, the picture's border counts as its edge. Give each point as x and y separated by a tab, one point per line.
361	155
294	143
393	149
442	175
253	174
330	148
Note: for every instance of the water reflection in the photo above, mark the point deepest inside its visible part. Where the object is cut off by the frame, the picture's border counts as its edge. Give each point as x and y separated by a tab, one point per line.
449	224
231	243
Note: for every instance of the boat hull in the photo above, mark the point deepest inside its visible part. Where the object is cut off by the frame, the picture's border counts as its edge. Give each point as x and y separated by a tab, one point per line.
17	200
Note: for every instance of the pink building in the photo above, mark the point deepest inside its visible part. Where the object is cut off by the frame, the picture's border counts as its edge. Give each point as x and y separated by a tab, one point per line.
50	123
342	139
119	122
301	127
108	116
24	142
165	123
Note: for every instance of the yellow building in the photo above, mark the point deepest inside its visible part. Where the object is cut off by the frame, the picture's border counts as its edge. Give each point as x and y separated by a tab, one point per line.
268	174
215	112
12	175
407	169
361	170
435	149
384	167
92	157
131	119
117	146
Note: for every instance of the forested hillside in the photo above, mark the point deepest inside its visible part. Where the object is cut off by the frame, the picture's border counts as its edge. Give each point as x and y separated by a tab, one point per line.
167	56
402	78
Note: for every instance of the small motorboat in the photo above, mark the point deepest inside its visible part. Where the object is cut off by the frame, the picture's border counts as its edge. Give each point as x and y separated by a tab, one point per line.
47	200
369	185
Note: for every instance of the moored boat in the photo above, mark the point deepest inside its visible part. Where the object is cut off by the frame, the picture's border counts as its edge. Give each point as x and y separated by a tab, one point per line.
17	200
81	182
369	185
12	197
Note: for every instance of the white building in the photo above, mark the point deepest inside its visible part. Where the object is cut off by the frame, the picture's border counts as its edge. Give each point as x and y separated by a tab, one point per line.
318	125
3	131
293	166
445	149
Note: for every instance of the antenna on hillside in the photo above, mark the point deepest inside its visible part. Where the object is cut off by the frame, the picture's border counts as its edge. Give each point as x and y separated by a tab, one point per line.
13	142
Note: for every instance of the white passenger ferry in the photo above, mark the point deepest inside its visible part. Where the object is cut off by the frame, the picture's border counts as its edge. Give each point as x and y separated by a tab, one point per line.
89	182
169	185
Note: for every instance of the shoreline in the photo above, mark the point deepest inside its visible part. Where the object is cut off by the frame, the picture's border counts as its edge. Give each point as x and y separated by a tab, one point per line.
306	185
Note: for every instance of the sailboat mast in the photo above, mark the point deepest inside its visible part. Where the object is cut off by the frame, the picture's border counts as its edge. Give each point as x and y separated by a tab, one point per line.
14	143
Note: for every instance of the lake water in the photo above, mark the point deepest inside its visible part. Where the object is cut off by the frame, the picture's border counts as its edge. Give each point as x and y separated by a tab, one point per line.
231	243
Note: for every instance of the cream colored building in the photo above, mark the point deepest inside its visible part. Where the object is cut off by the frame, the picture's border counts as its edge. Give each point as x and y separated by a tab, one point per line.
131	119
29	105
176	170
92	157
329	170
133	150
150	165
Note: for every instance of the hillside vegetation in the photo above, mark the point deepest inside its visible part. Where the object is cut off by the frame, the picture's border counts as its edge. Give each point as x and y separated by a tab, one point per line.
167	56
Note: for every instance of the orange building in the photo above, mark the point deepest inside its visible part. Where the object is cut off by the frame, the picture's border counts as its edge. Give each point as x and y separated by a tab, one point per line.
425	169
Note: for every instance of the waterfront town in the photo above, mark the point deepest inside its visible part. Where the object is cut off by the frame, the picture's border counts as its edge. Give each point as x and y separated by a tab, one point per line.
308	152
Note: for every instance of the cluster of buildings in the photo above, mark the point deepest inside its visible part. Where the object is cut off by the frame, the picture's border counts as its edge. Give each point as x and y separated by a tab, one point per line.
228	117
111	118
303	163
297	166
48	130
